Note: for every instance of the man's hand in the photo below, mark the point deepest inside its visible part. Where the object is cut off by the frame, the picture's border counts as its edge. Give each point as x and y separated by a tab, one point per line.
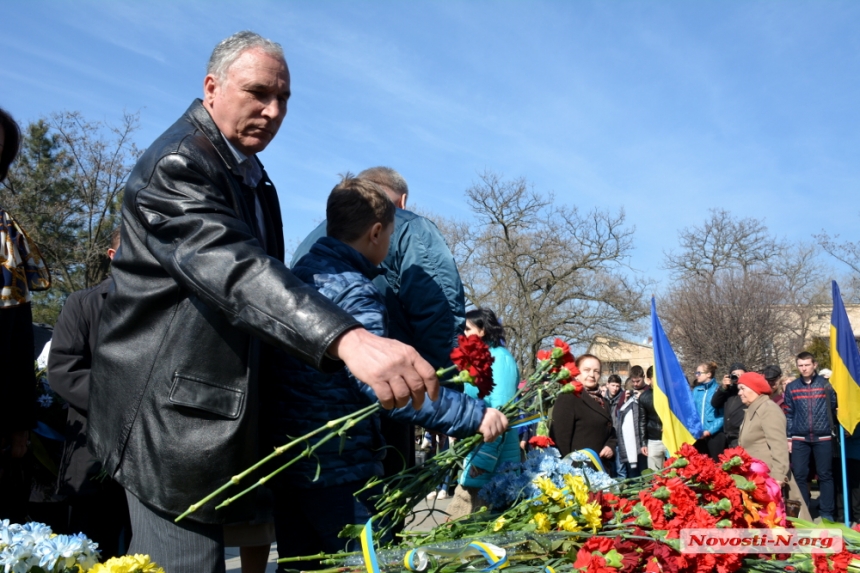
607	452
789	446
395	371
706	434
726	381
644	451
493	425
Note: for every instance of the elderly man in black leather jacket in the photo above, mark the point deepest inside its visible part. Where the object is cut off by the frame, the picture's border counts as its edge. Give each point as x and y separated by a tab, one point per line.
202	298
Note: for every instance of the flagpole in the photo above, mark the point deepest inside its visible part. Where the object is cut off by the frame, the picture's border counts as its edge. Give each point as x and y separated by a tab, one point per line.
846	509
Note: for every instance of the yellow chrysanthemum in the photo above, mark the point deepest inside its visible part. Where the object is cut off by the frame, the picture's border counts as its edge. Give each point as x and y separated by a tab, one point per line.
577	487
542	522
591	514
127	564
550	491
569	524
544	484
499	524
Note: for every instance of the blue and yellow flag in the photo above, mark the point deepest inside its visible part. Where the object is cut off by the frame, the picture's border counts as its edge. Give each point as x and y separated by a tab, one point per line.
845	363
673	398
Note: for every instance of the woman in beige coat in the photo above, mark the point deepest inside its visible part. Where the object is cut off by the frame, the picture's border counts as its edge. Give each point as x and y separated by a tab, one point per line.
763	433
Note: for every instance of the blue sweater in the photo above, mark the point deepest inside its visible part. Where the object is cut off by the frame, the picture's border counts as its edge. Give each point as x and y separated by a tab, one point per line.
305	399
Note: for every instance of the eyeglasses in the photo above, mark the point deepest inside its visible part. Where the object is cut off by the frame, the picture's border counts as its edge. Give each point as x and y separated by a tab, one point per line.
699	373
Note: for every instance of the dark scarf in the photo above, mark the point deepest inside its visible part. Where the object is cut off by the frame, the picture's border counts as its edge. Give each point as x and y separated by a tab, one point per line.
595	395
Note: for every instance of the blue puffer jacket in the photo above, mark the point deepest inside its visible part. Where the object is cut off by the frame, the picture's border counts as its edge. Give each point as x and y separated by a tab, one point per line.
490	457
304	399
421	287
712	418
806	409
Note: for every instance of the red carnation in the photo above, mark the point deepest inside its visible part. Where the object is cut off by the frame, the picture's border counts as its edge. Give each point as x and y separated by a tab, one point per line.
473	356
565	348
541	441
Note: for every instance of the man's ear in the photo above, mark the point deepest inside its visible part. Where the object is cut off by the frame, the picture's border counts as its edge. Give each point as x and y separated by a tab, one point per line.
401	201
210	87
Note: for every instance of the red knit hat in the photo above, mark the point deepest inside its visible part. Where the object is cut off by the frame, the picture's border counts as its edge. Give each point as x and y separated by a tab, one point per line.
755	382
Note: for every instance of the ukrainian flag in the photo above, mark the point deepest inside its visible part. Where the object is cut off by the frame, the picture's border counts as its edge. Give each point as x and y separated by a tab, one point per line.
673	398
845	363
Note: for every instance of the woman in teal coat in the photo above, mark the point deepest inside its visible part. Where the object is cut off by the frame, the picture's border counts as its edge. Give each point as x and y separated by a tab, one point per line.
482	463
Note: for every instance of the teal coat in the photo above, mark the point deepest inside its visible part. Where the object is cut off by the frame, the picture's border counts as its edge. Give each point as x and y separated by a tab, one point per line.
506	448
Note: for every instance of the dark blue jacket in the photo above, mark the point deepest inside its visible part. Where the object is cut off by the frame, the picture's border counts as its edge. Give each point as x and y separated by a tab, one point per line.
305	399
806	405
421	287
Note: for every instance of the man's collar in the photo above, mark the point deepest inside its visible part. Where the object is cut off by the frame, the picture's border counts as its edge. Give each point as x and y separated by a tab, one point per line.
201	118
248	166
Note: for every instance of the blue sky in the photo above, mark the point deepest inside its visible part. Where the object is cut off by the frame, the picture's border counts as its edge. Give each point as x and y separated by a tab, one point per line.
663	108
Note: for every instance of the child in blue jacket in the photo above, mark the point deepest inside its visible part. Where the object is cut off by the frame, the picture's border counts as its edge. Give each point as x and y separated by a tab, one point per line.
310	511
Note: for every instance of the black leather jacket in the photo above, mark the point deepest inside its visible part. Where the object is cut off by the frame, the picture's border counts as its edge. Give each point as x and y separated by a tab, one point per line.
174	397
650	425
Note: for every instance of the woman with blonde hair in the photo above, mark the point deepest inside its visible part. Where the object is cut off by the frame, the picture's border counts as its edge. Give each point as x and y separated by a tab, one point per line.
713	440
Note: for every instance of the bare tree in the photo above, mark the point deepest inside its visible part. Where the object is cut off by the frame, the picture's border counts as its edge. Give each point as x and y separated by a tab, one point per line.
723	242
741	294
846	252
545	269
66	190
728	317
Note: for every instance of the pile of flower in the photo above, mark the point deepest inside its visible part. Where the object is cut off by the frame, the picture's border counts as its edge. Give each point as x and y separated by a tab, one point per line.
34	548
568	517
516	482
634	525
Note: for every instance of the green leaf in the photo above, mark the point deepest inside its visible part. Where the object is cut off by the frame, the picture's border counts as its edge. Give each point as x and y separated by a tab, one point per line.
351	531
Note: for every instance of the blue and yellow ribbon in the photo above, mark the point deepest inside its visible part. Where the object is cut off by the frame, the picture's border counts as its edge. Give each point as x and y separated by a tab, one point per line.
367	548
497	558
533	419
595	459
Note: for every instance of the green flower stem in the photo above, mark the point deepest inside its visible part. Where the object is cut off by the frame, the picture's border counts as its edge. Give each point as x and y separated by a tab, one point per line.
402	492
442	372
278	451
308	452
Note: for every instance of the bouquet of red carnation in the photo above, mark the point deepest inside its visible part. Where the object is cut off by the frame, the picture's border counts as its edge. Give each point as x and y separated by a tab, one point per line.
561	365
475	364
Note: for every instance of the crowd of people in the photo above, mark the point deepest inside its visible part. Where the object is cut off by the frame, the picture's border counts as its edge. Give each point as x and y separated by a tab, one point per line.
203	348
787	423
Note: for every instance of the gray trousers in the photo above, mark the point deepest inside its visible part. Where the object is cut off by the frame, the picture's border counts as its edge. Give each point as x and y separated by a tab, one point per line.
656	455
184	547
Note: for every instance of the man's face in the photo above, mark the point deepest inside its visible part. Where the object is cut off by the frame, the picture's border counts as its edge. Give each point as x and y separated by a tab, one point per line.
638	382
807	367
250	103
613	388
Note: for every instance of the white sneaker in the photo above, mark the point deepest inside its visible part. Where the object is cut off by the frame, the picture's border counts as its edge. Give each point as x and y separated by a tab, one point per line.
431	495
442	494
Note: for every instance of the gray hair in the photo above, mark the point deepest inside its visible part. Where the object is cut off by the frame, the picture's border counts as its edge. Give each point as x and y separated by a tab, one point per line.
229	49
387	178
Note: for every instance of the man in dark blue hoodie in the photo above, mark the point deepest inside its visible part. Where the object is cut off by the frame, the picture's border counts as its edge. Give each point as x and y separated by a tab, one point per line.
810	406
